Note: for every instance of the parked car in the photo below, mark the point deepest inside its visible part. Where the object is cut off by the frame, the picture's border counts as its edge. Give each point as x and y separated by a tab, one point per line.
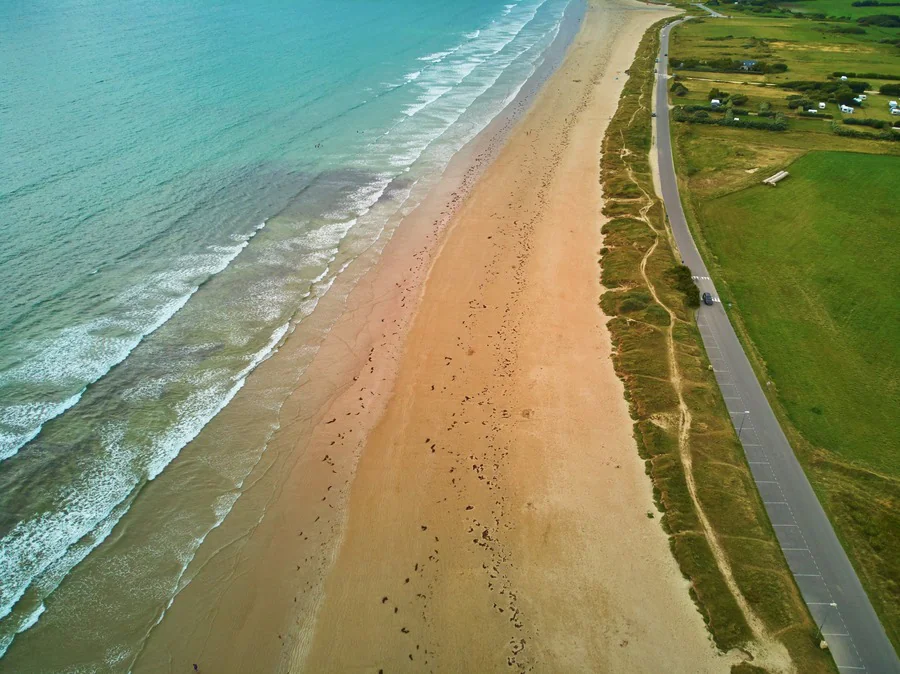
707	299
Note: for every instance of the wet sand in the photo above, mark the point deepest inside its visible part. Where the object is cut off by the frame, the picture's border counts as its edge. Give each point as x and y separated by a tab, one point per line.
498	518
454	485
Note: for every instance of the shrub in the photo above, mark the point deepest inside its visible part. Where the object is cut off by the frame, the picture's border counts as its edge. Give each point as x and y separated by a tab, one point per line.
874	76
883	20
847	30
794	103
678	89
680	276
684	114
725	65
865	121
889	89
739	99
823	88
886	134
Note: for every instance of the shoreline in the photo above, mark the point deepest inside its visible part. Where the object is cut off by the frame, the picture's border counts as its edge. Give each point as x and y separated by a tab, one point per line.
381	284
480	497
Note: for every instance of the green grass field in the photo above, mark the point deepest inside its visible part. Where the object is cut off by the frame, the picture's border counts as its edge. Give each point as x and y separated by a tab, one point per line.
809	267
836	8
813	267
811	51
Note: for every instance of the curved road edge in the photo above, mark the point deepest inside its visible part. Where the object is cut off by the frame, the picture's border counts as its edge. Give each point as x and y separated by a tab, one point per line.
827	581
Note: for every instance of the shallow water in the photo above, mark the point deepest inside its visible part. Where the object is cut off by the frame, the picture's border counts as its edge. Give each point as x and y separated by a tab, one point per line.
180	184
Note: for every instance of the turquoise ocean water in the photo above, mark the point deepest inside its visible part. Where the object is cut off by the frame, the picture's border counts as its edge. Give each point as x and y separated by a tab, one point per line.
179	183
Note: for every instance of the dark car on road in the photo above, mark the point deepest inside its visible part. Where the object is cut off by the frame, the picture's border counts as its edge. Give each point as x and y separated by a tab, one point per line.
707	299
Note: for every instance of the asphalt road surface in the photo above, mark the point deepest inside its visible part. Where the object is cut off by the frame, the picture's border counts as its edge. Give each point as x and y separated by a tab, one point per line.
826	579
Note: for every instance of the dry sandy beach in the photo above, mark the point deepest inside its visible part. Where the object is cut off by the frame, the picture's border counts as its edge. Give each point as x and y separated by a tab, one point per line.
455	486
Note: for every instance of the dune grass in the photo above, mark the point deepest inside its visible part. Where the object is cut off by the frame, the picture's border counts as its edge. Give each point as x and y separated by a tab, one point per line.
653	325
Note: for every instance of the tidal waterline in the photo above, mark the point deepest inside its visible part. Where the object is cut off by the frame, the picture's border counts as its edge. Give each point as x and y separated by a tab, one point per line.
187	265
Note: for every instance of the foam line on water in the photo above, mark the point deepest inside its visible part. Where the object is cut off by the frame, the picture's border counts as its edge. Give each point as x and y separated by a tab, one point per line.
84	355
40	544
461	71
417	148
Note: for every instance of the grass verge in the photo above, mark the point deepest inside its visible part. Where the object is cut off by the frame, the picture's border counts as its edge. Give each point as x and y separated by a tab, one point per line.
719	531
807	273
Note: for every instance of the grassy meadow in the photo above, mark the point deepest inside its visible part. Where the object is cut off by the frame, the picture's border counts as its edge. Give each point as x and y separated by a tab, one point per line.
809	265
808	269
835	8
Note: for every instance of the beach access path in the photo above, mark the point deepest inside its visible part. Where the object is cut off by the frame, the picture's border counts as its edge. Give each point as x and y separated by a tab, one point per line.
827	581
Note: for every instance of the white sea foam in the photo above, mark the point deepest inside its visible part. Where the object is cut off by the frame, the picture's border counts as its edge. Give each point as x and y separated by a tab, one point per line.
103	493
25	421
445	75
82	354
450	88
438	55
26	622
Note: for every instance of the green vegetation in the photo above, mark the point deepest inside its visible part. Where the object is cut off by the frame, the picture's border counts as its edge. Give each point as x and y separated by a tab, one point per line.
815	286
835	8
808	48
885	20
718	528
808	269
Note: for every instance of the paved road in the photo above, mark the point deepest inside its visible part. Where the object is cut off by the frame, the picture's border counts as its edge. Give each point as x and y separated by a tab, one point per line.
711	11
820	566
